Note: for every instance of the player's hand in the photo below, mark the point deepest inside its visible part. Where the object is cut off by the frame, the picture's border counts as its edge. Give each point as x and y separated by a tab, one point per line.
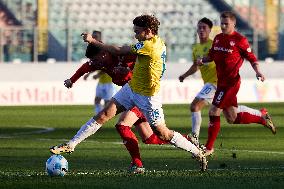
181	78
87	37
260	76
199	62
68	83
96	76
86	76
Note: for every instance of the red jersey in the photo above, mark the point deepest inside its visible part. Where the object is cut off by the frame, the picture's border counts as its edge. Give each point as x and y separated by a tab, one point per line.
228	53
106	62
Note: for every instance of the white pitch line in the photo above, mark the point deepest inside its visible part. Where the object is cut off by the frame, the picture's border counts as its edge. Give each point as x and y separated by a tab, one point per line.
41	130
170	146
106	172
50	129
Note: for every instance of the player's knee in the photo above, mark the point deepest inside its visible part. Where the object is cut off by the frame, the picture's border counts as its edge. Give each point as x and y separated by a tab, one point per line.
230	120
164	134
193	108
103	116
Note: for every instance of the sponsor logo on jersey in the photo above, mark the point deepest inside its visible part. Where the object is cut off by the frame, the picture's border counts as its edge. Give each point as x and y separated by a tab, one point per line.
138	46
223	49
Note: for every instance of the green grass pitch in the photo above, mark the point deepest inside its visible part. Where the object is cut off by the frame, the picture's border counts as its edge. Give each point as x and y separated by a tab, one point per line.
246	156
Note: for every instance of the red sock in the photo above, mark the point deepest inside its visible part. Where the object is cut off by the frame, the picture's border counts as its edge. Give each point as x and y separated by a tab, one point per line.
131	143
154	139
213	130
246	118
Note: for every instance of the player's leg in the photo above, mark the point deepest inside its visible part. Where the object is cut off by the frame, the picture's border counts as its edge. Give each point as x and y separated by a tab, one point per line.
98	98
223	98
89	128
203	98
144	129
111	109
152	109
247	115
123	127
213	128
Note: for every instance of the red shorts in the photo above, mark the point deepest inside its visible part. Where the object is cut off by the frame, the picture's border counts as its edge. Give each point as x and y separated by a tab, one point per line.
139	114
226	96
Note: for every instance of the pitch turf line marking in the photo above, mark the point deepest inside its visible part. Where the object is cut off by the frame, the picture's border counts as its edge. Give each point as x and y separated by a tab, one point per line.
123	172
170	146
42	130
50	129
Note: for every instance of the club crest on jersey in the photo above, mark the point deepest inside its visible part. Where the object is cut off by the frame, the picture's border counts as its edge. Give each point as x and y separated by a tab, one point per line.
138	45
232	43
216	41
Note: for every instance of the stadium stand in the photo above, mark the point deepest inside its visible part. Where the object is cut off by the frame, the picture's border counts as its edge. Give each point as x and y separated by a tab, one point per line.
114	18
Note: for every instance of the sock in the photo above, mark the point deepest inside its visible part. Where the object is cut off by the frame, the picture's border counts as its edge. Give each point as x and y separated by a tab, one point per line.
85	131
154	139
98	108
131	143
196	122
213	130
180	142
248	115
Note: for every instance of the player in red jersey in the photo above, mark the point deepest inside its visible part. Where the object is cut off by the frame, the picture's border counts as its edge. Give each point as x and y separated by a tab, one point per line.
228	51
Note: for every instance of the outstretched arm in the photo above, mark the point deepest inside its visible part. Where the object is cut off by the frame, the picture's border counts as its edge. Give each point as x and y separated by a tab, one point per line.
189	72
259	75
111	48
85	68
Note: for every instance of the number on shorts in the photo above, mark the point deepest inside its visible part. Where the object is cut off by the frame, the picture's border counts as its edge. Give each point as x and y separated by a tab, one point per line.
207	90
220	95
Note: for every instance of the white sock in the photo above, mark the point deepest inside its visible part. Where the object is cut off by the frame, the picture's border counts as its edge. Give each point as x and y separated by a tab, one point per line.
180	142
242	108
98	108
85	131
196	120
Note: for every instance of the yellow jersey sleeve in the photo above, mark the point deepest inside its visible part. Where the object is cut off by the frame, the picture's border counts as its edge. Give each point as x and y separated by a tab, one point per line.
208	70
149	66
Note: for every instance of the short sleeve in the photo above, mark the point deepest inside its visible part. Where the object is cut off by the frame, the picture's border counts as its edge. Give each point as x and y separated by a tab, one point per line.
141	48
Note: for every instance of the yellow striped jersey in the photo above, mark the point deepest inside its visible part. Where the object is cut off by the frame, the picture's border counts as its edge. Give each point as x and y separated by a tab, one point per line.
149	66
208	70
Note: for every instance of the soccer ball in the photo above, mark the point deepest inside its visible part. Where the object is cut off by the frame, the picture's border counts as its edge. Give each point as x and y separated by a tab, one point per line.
56	165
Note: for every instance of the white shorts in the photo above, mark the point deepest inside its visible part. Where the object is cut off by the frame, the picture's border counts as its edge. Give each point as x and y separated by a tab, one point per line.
151	106
105	91
207	92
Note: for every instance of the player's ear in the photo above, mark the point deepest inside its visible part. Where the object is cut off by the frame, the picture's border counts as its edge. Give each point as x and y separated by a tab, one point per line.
148	31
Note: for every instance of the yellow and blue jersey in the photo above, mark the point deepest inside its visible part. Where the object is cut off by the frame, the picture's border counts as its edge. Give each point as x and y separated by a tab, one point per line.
105	78
149	66
208	70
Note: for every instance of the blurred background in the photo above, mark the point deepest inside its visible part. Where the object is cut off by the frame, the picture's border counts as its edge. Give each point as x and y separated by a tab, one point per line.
40	42
39	30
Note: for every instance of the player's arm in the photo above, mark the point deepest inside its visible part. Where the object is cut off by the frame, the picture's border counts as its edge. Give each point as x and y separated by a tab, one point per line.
259	75
111	48
193	68
85	68
247	53
204	60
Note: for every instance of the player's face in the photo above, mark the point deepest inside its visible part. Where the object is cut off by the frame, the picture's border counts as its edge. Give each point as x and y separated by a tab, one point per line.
203	31
140	33
227	25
